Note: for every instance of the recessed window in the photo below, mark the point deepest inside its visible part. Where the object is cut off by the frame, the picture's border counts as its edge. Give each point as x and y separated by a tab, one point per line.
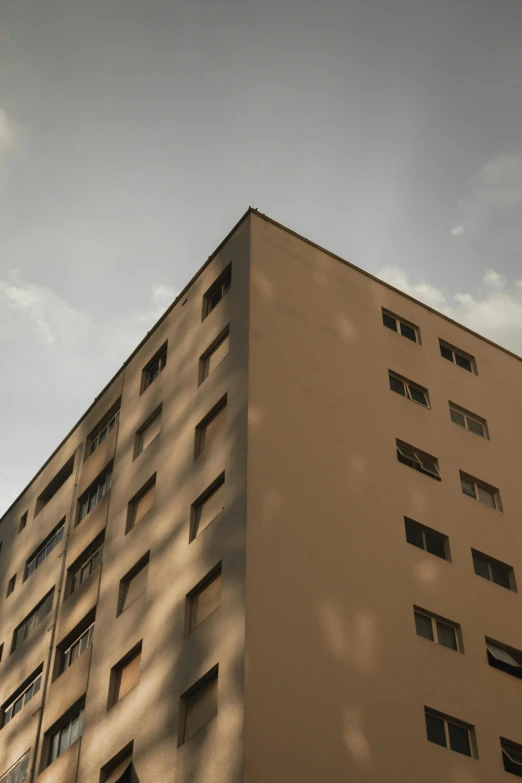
23	695
120	769
504	658
437	629
468	421
449	732
209	428
153	368
418	460
74	644
22	524
493	570
82	643
458	357
45	549
85	565
103	428
204	599
125	675
511	757
207	507
133	584
33	620
199	705
66	732
1	651
148	432
425	538
214	355
56	484
141	504
408	389
217	291
399	325
479	490
96	492
18	772
11	585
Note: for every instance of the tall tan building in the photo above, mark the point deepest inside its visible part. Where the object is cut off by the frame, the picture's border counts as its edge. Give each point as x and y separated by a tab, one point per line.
282	545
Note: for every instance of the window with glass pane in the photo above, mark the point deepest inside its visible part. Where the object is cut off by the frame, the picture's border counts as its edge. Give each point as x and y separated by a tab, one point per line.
199	706
436	630
511	757
214	355
85	567
156	365
65	736
426	538
107	424
396	324
468	421
82	643
18	772
217	291
489	496
457	357
493	570
33	620
207	507
448	732
96	492
507	660
134	584
211	426
44	550
14	705
424	626
408	389
418	460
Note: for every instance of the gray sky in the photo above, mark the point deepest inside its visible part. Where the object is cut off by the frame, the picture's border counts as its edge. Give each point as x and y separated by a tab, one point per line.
134	133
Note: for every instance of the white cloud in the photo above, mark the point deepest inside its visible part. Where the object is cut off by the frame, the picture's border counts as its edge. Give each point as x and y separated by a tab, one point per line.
494	310
7	133
458	231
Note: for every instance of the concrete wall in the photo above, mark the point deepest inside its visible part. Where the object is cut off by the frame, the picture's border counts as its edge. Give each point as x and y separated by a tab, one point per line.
336	677
148	715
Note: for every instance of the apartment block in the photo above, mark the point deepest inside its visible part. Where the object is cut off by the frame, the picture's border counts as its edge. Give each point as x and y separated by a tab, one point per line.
283	544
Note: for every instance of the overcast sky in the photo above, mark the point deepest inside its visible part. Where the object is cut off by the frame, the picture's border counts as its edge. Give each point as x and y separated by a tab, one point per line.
134	134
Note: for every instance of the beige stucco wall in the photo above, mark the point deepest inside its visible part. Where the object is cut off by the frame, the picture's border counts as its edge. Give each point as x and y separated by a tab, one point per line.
336	678
149	713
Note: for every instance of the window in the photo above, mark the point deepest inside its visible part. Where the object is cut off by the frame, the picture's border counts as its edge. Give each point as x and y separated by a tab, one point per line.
11	585
400	326
134	583
427	539
84	566
96	492
156	365
199	705
458	357
408	389
103	428
82	643
148	432
468	420
204	599
24	694
210	427
45	549
54	485
120	769
214	355
497	572
69	730
437	629
504	658
207	507
1	650
449	732
511	757
74	644
18	772
23	522
480	491
33	620
417	459
141	504
125	675
217	291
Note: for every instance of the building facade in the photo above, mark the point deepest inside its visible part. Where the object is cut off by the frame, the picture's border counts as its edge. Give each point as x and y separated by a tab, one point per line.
283	544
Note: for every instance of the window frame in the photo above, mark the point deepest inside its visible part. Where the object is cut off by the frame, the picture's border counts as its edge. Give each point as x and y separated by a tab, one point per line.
488	561
411	454
437	620
458	352
6	777
25	624
159	358
138	438
449	719
197	505
407	390
53	538
105	426
85	559
143	562
193	595
66	722
478	485
399	322
132	505
425	531
55	484
515	668
454	408
95	493
507	747
200	430
20	695
116	674
189	698
222	285
204	359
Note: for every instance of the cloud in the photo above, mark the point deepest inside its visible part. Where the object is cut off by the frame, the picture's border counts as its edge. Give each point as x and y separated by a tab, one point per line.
494	309
458	231
498	184
7	133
